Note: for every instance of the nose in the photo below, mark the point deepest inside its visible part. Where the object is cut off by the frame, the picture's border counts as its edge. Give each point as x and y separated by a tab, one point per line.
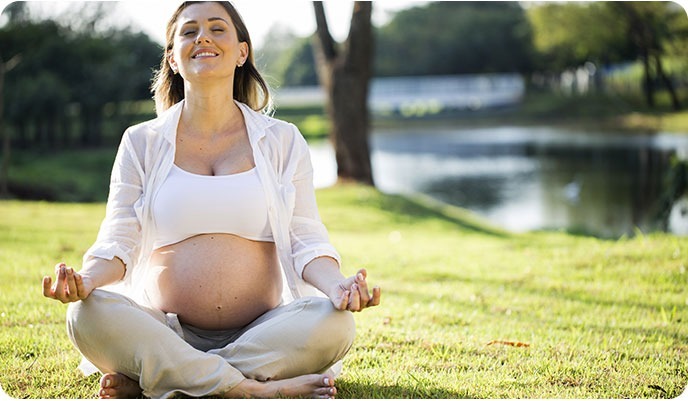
202	37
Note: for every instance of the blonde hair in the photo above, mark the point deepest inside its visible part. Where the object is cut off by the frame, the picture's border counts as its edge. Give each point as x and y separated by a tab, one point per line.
249	86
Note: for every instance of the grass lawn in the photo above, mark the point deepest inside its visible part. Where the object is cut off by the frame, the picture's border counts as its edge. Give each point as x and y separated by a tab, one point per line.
468	311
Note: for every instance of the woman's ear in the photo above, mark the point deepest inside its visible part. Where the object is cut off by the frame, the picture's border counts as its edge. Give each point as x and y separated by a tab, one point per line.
243	53
173	63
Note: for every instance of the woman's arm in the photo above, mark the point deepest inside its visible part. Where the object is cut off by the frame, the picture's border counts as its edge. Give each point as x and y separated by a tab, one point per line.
345	293
315	259
118	239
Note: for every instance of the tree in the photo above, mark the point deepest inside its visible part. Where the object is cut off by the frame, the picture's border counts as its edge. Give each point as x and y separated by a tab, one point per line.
300	66
569	34
566	35
72	80
16	13
447	37
289	61
345	74
647	26
273	56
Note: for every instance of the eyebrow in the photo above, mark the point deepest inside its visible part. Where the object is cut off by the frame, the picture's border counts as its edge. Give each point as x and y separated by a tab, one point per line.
211	19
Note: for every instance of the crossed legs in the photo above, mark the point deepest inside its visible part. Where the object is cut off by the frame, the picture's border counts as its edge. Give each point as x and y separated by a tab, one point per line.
282	353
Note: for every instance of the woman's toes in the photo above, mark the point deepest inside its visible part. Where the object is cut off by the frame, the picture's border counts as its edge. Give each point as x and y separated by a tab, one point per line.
111	380
116	385
326	391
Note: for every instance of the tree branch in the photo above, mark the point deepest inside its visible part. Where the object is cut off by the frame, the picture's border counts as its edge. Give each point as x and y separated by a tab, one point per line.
359	46
327	44
7	66
11	63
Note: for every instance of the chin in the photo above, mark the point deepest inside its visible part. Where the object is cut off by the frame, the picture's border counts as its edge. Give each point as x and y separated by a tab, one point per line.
208	73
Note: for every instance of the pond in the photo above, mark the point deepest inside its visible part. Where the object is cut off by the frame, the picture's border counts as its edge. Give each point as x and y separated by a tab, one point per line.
526	178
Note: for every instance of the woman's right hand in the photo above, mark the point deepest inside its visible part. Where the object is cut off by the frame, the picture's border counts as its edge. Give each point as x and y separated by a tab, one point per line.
69	285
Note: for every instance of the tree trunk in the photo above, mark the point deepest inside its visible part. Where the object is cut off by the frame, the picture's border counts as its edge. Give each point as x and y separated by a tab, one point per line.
345	76
92	125
4	134
675	103
643	29
6	141
648	87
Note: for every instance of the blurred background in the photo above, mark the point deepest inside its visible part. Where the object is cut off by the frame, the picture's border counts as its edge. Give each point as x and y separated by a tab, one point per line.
535	115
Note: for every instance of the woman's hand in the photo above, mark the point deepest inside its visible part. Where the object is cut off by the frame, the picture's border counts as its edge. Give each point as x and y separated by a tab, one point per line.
69	285
353	294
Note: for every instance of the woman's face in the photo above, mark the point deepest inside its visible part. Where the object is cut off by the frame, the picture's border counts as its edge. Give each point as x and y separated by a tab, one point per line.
205	43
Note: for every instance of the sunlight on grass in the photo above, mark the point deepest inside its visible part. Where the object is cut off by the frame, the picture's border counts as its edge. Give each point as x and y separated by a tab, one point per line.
600	318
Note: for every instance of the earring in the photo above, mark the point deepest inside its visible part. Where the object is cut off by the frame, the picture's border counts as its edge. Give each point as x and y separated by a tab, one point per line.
174	70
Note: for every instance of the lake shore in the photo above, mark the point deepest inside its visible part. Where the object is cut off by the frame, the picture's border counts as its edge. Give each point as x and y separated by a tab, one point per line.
599	112
596	112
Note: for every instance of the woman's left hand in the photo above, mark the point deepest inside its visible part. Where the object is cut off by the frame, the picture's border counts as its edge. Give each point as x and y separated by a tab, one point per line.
353	294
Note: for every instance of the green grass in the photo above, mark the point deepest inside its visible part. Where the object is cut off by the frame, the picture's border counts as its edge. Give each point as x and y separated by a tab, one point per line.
603	318
311	120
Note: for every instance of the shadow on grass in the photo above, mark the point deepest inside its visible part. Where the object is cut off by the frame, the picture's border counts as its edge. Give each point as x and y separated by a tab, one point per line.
422	206
405	209
368	390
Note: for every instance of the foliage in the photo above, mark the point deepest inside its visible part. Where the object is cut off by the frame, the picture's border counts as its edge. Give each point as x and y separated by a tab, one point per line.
676	184
483	37
566	35
288	58
67	79
74	175
300	59
270	57
455	38
437	38
311	121
649	30
569	34
601	318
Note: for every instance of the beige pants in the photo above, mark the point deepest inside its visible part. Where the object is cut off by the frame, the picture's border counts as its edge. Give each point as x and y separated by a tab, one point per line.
118	335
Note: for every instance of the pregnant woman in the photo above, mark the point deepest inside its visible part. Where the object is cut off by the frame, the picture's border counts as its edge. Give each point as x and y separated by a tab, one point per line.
212	274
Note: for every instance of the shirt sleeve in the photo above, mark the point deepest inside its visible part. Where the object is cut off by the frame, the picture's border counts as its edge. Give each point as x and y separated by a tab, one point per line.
309	237
120	232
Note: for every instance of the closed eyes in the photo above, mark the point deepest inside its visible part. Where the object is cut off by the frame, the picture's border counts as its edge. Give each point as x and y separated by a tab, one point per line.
193	31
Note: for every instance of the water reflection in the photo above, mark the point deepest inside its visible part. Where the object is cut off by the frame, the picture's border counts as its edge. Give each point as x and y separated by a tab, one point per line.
525	178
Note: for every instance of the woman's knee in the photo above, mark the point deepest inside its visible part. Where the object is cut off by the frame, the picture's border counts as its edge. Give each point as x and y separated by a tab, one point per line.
334	326
100	313
76	311
109	328
313	338
92	308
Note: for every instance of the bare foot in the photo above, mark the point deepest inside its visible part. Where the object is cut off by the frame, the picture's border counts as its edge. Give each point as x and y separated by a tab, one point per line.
306	386
116	385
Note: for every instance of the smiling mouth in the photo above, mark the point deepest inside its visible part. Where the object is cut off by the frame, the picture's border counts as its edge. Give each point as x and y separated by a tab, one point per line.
204	55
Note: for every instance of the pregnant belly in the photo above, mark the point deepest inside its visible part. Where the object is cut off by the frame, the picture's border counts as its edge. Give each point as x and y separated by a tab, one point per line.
215	281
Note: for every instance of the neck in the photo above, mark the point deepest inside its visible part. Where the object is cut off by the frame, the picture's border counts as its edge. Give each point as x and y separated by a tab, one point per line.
210	109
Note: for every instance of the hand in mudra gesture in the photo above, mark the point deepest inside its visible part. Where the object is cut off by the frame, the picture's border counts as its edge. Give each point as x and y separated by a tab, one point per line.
353	294
69	286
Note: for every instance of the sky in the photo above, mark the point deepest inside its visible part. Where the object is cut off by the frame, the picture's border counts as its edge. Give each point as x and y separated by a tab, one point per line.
259	15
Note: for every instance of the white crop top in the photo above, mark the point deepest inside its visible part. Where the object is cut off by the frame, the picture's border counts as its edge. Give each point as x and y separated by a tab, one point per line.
190	204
